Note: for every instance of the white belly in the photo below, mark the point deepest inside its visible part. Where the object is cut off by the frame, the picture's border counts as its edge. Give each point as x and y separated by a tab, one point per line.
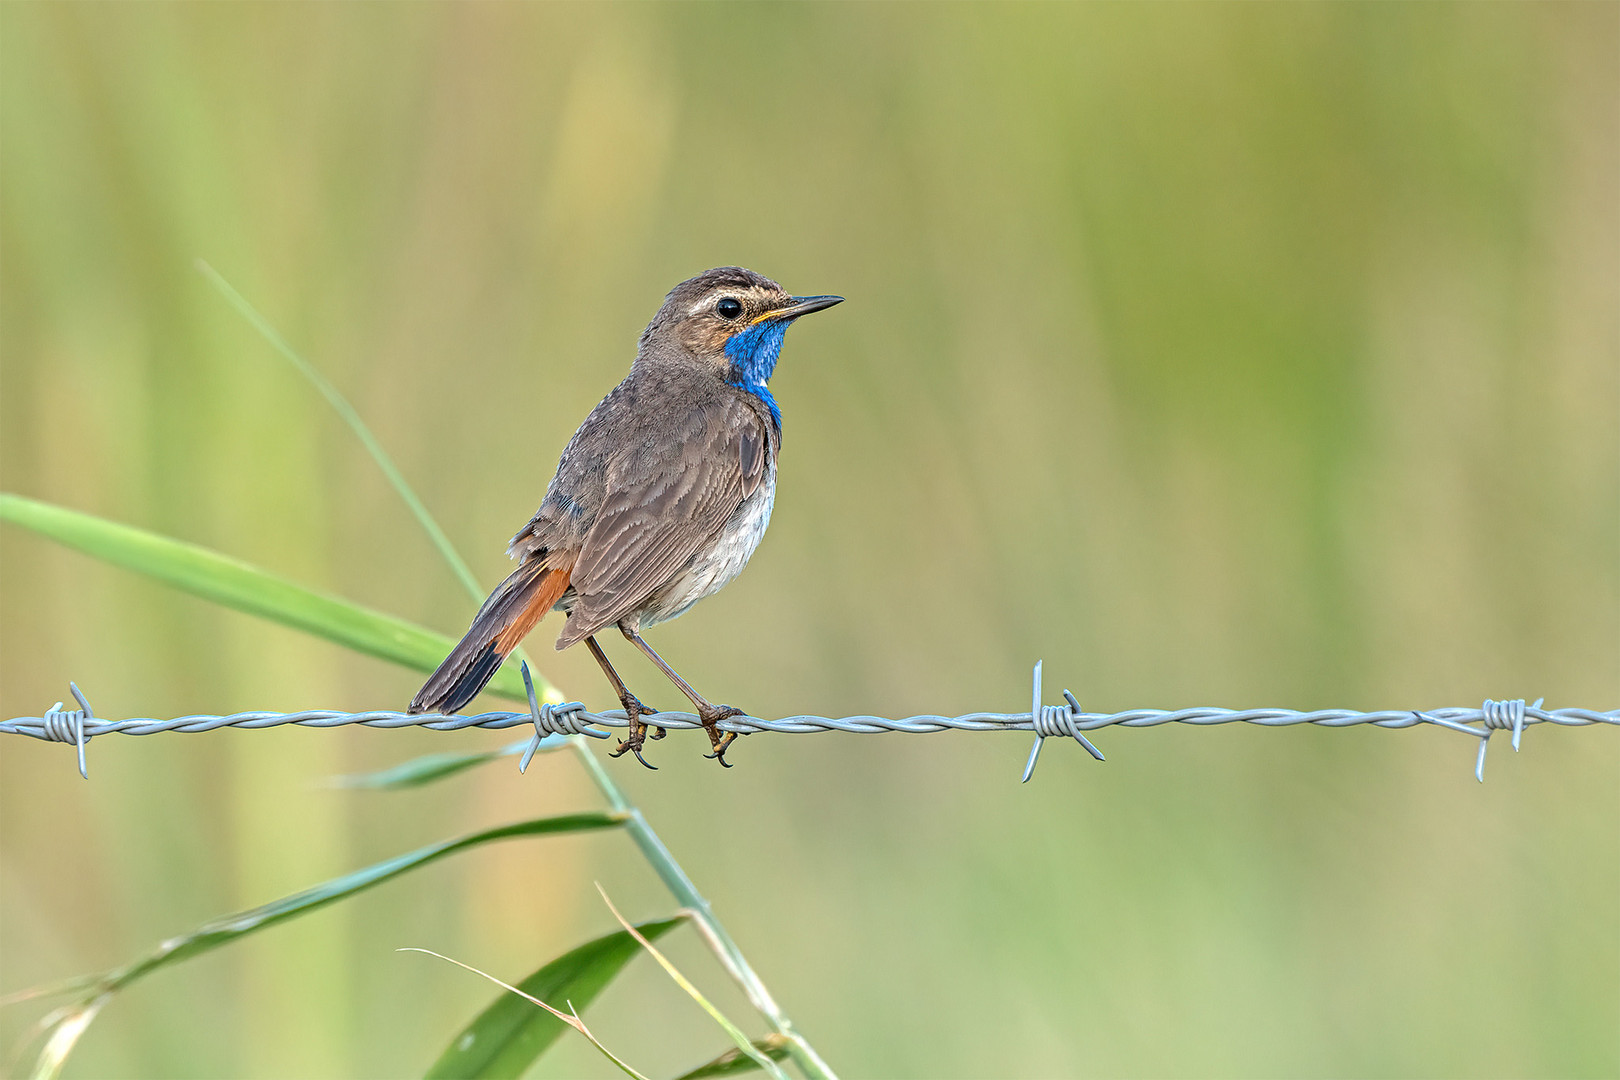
713	570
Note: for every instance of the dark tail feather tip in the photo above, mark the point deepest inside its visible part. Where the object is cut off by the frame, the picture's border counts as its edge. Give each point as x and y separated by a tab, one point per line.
465	686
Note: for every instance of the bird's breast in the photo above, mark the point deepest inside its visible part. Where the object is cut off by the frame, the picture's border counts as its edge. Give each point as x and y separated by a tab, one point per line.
713	568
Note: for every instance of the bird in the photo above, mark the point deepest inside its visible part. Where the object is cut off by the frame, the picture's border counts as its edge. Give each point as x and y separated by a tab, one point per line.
658	501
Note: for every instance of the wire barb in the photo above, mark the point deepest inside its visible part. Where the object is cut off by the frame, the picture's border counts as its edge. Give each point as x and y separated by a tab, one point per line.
1050	720
1500	715
67	725
552	720
78	726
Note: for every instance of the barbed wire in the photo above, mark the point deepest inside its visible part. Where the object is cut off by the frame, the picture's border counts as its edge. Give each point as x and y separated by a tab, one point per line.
1069	720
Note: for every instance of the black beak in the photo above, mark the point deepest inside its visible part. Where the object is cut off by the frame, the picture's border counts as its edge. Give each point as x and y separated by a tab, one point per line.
804	305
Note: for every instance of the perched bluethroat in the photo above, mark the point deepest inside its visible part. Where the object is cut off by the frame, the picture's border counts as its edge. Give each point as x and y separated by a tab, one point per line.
660	497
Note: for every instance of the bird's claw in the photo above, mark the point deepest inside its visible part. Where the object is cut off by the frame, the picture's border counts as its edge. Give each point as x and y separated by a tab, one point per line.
720	750
634	710
638	737
720	742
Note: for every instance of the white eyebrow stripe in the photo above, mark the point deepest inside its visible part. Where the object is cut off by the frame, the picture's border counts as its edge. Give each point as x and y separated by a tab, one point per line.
708	302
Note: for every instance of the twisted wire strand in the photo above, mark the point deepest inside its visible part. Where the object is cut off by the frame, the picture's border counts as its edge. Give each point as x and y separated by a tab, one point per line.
1456	719
78	726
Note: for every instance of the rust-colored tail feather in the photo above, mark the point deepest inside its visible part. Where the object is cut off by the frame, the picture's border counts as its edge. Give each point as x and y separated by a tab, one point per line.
505	619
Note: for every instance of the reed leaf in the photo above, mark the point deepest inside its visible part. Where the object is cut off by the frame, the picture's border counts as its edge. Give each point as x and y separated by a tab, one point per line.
429	768
508	1036
244	587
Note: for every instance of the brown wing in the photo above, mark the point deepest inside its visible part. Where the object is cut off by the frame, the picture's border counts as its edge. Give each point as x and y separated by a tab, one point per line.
661	510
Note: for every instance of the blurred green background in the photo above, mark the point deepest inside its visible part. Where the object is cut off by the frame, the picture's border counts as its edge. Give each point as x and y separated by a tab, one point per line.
1249	355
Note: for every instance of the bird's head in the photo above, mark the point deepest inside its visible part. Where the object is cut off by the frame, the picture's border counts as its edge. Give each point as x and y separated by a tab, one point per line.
731	319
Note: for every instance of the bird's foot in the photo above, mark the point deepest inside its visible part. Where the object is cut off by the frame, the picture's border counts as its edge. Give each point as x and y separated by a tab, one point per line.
634	710
720	741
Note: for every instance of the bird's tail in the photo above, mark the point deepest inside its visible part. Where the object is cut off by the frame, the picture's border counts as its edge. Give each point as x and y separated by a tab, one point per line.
505	619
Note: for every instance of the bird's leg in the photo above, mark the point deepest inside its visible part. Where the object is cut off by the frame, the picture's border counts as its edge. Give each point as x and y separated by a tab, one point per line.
708	713
634	710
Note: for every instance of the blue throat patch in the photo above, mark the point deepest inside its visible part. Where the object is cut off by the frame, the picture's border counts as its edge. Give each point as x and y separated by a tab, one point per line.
753	356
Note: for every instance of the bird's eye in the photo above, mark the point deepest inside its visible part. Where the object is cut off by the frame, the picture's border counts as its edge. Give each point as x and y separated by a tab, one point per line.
728	308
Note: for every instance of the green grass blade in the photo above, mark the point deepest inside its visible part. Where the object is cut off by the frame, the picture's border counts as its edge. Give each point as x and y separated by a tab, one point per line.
240	585
425	769
72	1020
571	1018
434	767
227	929
509	1035
341	404
734	1062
